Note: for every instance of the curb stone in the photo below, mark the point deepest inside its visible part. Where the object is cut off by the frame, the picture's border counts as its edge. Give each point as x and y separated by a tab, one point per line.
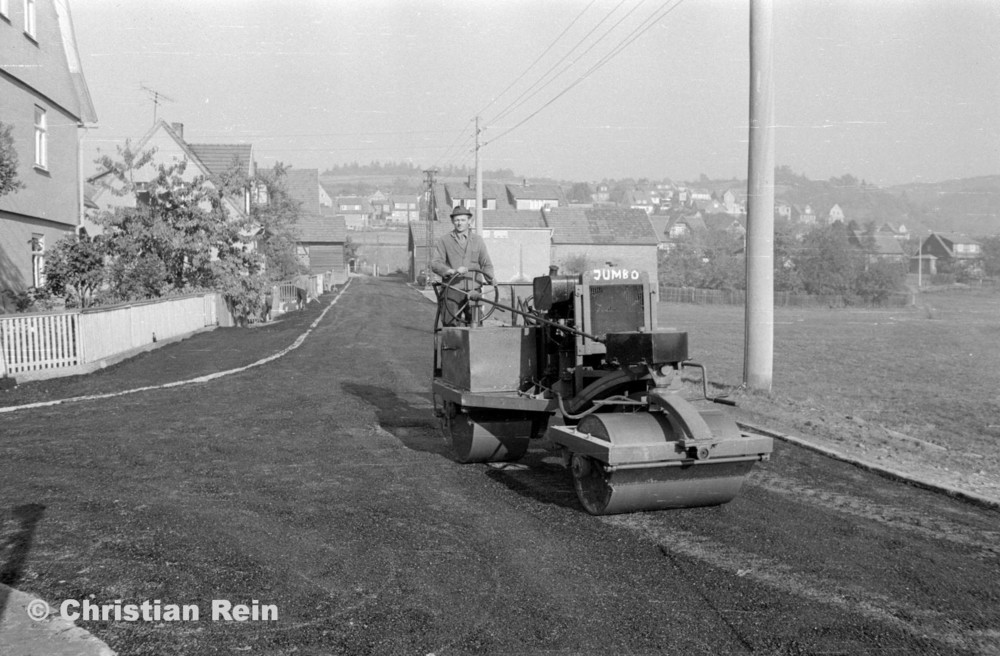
53	636
893	474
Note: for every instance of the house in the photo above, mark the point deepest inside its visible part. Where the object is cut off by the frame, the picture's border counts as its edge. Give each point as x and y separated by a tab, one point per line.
602	237
686	226
207	160
45	101
726	223
735	202
640	199
356	210
322	238
804	214
660	224
464	194
952	250
602	193
835	214
404	209
782	210
534	197
893	230
381	206
878	246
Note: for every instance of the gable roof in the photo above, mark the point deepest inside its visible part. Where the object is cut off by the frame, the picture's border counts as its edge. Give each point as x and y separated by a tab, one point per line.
303	186
216	159
534	192
722	221
321	228
457	191
660	223
600	225
510	218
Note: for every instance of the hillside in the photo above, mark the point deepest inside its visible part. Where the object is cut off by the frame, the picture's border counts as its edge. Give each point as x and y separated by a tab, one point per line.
970	205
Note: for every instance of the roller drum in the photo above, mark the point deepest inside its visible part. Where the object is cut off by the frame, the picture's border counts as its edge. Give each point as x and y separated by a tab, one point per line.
649	485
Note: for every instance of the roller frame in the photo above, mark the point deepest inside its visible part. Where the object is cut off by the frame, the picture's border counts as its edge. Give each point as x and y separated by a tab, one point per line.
706	436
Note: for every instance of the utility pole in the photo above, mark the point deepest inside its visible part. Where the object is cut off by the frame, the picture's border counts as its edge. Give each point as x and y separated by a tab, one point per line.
431	217
759	346
479	183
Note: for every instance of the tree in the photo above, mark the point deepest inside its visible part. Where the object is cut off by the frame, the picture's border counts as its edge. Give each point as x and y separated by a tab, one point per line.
991	256
827	264
9	181
579	193
74	269
878	280
277	220
712	260
179	236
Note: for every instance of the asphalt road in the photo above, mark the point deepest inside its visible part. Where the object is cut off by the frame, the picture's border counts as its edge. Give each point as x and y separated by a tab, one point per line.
320	483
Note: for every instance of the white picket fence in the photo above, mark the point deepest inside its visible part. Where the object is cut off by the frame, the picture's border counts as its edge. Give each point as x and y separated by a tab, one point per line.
36	346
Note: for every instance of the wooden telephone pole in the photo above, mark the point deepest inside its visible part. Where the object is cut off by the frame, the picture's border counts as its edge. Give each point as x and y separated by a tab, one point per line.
479	183
431	218
759	347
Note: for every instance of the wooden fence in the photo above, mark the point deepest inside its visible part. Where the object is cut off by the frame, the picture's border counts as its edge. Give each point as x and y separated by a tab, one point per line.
36	346
781	299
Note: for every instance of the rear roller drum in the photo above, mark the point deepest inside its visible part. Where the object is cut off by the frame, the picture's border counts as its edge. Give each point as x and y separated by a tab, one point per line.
479	436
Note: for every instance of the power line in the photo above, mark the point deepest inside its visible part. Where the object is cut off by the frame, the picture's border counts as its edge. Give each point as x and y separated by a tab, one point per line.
515	103
538	59
635	34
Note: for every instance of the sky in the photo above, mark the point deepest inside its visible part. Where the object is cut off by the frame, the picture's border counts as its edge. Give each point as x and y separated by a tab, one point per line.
890	91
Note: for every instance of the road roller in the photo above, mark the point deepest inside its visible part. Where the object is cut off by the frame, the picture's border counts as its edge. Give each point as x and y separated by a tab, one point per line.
578	363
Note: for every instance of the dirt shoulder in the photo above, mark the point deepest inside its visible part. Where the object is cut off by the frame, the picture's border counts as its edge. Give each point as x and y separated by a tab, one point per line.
874	445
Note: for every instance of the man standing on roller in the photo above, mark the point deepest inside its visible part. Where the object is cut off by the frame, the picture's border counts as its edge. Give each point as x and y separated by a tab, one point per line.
454	254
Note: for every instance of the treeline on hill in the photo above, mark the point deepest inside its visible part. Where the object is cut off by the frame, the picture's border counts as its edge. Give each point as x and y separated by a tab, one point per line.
408	169
181	236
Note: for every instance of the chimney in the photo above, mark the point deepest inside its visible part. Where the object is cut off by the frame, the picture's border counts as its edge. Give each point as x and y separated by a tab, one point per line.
179	129
472	181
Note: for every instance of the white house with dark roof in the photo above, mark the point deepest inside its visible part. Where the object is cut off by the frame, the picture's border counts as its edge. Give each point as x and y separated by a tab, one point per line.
45	101
168	141
464	194
534	197
356	210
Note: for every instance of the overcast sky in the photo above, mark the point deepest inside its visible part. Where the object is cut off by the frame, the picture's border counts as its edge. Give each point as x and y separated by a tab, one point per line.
890	91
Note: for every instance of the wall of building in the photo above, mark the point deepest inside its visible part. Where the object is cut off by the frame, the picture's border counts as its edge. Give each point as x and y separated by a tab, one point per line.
640	258
51	193
16	233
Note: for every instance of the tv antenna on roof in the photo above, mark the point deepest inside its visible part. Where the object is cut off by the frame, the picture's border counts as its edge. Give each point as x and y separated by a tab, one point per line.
157	98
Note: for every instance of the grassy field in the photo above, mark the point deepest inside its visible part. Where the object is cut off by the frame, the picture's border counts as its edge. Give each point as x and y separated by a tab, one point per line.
929	372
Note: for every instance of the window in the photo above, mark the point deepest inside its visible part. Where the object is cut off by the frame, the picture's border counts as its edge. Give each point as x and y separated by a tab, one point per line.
41	139
37	260
29	18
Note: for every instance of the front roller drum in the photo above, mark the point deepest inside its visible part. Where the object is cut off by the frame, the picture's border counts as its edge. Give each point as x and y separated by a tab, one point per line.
604	492
489	436
650	471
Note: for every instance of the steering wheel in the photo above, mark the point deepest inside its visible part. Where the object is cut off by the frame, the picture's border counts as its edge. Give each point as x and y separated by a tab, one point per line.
470	296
